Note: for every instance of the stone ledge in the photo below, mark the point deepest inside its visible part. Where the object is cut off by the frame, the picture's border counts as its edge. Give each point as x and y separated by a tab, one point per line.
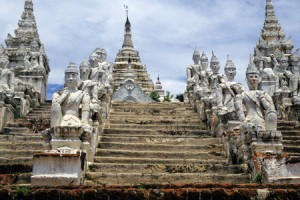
156	191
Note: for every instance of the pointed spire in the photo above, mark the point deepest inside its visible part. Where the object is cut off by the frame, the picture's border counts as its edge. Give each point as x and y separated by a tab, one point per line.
127	36
271	29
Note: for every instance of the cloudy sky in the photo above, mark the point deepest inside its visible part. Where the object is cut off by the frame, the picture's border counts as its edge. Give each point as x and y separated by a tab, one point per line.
165	32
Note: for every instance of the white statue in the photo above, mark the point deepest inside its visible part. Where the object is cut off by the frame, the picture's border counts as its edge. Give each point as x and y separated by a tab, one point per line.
6	75
260	113
286	87
88	86
194	69
226	93
70	106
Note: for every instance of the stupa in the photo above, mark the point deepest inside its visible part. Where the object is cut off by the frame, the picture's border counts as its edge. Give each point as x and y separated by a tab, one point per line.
139	70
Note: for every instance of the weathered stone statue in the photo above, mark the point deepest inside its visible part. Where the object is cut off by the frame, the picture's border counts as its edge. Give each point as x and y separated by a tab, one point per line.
100	70
211	103
194	69
88	86
6	76
101	73
258	129
260	111
201	80
193	72
63	163
286	87
65	110
226	108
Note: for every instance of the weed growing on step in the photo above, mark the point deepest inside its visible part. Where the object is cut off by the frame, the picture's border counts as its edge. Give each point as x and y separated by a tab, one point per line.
21	192
141	187
258	178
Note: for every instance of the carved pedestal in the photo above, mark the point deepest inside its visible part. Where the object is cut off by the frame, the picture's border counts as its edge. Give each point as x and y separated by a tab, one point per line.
67	137
230	134
257	146
280	169
62	167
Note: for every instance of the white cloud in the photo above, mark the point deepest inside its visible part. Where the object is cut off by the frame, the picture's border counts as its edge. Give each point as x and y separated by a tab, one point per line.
164	32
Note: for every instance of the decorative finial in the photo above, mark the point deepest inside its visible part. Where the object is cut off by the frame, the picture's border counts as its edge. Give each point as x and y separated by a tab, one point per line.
126	9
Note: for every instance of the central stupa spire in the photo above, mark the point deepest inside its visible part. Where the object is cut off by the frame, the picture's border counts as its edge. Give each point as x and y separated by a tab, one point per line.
272	38
127	36
271	30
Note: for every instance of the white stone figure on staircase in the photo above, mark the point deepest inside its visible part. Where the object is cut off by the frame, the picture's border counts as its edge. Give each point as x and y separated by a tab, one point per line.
286	87
101	73
195	68
226	108
260	111
70	106
215	79
88	86
193	72
6	76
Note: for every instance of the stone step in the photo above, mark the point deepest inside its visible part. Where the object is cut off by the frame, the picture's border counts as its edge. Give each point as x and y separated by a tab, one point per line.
18	124
164	178
160	154
9	154
150	124
23	178
281	123
286	133
160	139
159	147
16	130
165	161
160	168
21	145
151	120
292	138
16	160
291	142
15	168
116	131
152	111
181	105
173	127
40	111
292	149
22	138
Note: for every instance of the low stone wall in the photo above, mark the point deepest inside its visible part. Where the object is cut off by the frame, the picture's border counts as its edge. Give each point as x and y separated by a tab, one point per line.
184	192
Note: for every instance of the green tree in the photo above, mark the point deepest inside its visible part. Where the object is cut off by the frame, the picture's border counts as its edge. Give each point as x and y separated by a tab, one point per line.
180	97
168	97
154	95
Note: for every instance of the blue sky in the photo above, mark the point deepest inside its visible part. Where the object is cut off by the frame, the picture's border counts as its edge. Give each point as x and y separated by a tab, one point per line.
165	32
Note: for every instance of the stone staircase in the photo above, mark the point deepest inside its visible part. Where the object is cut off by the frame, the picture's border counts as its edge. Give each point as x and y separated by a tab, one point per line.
159	143
290	137
18	141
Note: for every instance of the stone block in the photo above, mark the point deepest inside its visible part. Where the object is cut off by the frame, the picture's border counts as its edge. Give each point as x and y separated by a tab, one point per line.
280	170
58	168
